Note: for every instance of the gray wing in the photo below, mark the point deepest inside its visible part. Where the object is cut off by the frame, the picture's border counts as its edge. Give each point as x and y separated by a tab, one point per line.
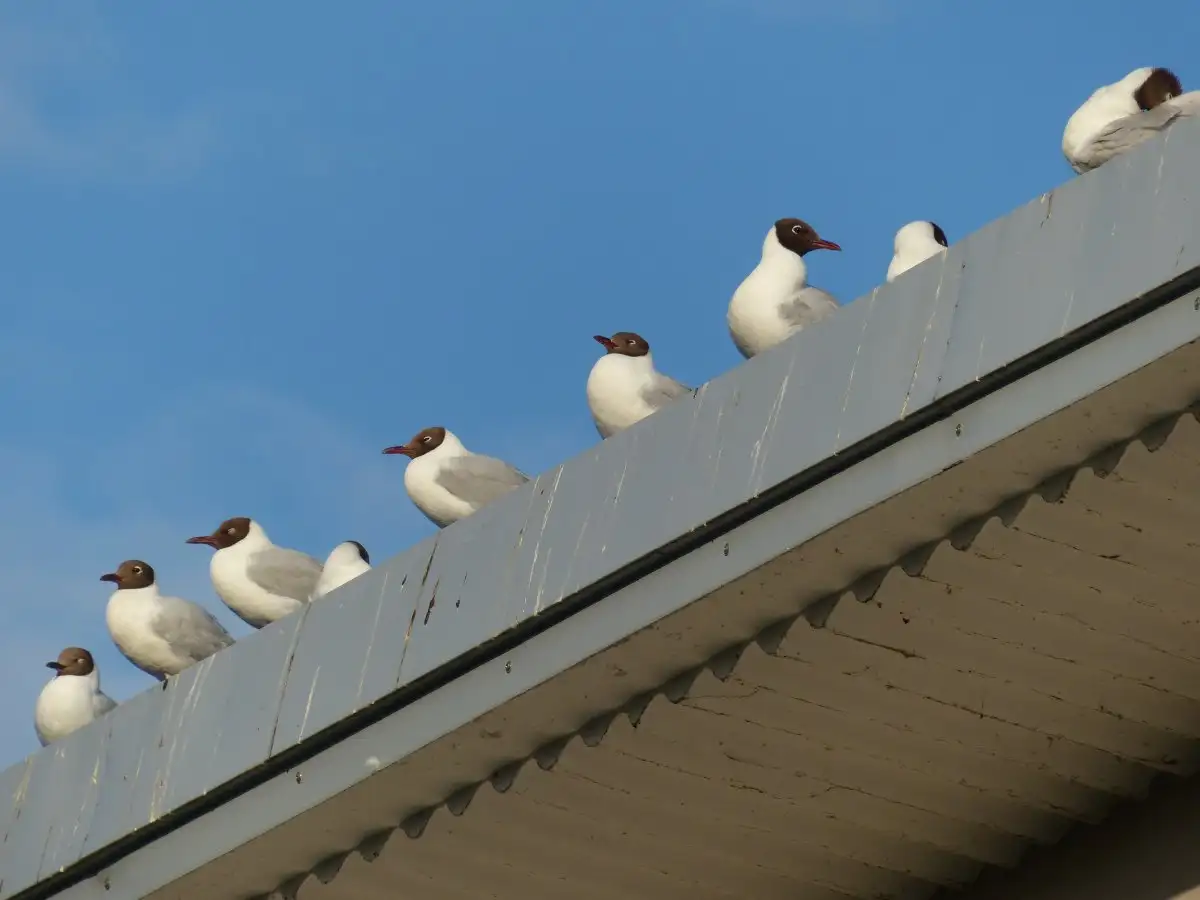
479	479
288	573
1127	132
808	306
663	390
190	629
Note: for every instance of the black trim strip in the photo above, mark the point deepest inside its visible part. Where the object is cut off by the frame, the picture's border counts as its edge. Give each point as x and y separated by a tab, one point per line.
952	403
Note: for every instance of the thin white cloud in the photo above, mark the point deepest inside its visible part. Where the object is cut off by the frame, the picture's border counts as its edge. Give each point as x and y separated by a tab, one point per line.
62	48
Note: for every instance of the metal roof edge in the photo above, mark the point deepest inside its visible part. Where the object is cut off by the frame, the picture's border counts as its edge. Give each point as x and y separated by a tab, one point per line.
905	465
1089	265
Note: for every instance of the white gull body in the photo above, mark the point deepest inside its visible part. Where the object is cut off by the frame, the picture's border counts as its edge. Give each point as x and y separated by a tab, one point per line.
915	243
345	563
1110	121
775	300
260	581
623	390
450	482
68	703
162	635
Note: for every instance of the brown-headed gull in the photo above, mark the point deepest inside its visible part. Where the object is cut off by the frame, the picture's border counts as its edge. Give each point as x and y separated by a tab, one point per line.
775	300
624	387
448	482
160	635
73	697
257	580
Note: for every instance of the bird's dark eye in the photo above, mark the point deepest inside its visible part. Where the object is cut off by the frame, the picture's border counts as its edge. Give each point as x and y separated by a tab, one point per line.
426	439
137	570
797	229
231	531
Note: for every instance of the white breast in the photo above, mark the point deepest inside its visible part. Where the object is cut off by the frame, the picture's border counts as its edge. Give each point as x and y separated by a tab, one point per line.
614	391
65	705
130	616
253	604
430	497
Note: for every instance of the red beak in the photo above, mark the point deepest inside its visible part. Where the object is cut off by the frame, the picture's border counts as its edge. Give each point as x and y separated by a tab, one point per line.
208	540
822	244
399	449
111	576
606	342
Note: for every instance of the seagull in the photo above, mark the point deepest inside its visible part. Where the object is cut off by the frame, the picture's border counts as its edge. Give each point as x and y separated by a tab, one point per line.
775	301
257	580
624	387
1119	116
348	560
448	482
72	698
160	635
915	243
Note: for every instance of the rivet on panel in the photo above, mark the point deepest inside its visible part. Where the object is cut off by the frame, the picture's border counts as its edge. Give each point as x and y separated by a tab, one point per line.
958	429
508	667
458	802
414	825
299	778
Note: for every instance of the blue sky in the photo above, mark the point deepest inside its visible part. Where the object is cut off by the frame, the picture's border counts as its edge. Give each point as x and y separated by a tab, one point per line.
245	252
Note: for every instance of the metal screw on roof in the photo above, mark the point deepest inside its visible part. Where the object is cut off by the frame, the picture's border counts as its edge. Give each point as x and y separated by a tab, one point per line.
299	778
507	667
958	429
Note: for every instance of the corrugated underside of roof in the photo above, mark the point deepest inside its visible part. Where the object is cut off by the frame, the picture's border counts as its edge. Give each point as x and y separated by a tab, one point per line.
980	697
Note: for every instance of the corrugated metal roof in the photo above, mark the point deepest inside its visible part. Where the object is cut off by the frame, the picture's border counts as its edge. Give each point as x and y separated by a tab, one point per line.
1055	334
1024	675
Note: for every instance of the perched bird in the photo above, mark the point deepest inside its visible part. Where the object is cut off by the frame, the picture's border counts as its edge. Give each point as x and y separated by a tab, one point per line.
624	387
257	580
448	482
72	698
160	635
775	301
348	560
915	243
1119	116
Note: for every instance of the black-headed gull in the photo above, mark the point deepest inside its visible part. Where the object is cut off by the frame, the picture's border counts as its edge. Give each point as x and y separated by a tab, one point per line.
160	635
448	482
775	300
624	387
73	697
257	580
915	243
1119	116
345	562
